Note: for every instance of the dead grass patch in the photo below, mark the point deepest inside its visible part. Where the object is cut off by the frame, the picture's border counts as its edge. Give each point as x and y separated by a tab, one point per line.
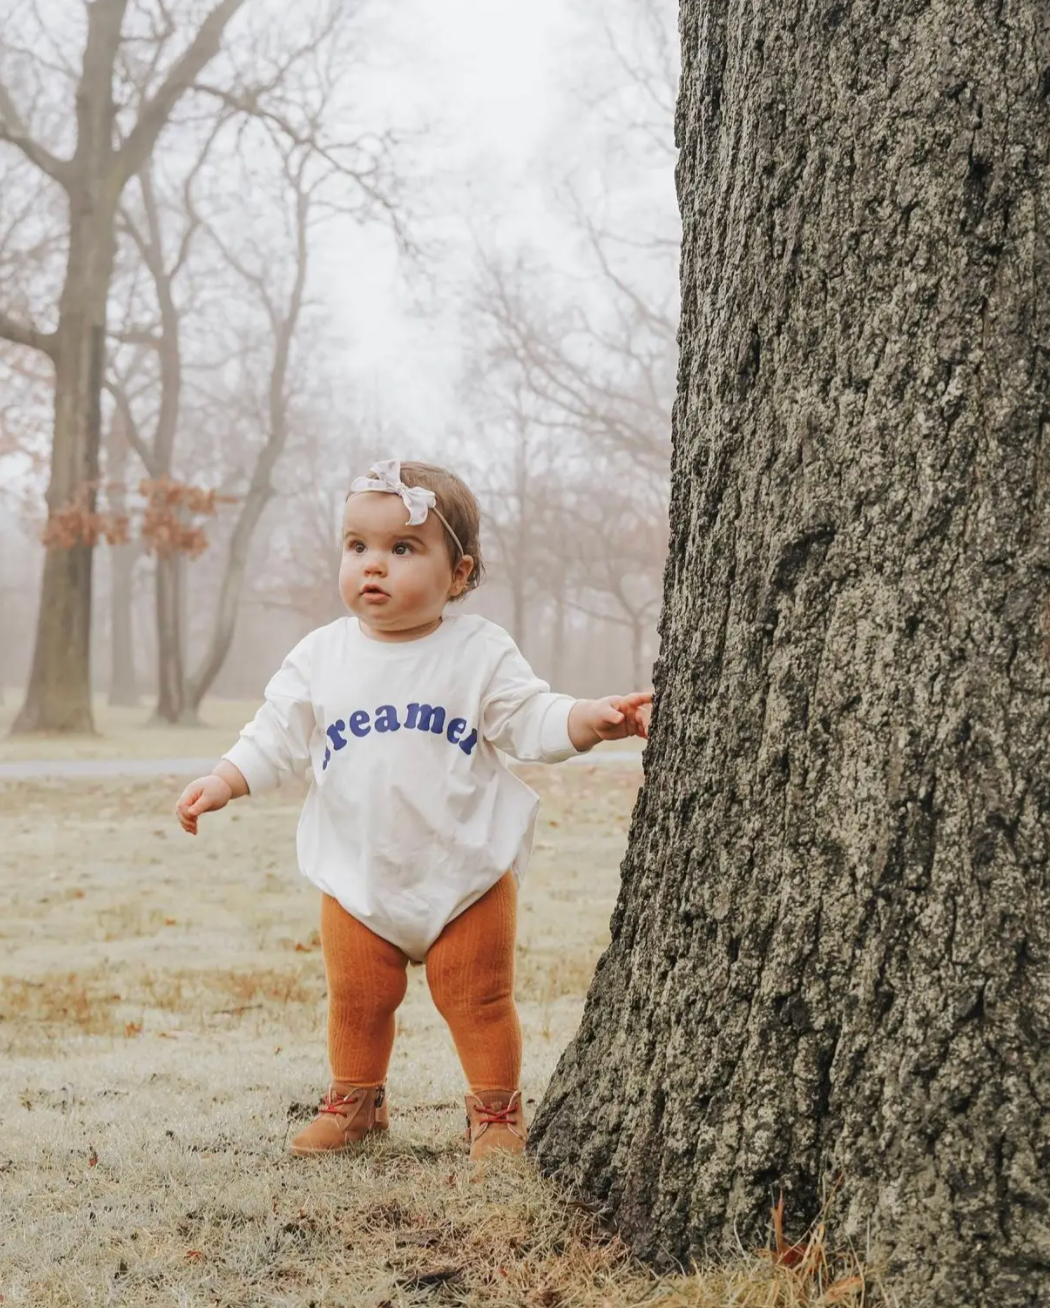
90	1004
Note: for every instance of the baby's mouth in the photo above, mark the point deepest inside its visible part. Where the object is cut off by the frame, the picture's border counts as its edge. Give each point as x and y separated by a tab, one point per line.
372	589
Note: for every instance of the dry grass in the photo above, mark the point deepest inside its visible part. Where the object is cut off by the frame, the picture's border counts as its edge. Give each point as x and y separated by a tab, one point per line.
162	1032
129	733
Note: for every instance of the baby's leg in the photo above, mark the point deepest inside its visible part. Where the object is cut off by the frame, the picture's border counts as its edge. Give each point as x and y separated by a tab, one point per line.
367	979
470	970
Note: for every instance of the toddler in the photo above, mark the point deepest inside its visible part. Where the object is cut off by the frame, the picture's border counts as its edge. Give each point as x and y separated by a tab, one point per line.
414	829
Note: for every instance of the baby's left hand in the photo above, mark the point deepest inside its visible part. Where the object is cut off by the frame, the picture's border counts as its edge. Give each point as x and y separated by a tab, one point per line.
613	718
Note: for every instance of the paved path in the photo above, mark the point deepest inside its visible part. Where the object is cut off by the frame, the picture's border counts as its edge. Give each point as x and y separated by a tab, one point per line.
48	768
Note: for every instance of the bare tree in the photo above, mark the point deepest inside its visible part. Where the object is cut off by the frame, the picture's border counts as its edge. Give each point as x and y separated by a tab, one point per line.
113	142
615	542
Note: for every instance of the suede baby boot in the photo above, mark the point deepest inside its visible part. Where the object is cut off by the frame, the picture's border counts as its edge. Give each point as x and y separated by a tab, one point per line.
495	1123
347	1114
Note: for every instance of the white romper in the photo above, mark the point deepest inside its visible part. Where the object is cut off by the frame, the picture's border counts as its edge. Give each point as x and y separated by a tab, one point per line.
412	812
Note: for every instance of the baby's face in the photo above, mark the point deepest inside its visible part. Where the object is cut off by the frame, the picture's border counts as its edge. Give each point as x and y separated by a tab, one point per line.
396	579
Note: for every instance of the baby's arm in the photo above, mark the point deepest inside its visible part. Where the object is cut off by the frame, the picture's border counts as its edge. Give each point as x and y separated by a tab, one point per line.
522	717
207	794
276	743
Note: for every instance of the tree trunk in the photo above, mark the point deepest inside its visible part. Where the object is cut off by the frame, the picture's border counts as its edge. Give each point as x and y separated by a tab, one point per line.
558	640
517	602
638	652
828	965
58	697
123	684
171	682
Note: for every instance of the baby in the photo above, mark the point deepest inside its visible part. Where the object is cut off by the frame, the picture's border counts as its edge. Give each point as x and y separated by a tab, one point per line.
414	829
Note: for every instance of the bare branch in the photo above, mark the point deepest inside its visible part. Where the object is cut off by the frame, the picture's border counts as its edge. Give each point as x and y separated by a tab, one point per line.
131	427
181	76
13	130
20	333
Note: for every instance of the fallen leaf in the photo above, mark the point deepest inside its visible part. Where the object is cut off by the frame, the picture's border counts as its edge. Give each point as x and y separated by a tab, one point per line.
132	1029
92	1156
194	1255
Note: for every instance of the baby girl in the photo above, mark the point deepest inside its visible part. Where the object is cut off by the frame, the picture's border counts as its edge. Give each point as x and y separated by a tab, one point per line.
415	830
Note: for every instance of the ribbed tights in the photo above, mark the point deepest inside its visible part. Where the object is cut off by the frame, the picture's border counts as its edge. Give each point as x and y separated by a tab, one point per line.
470	971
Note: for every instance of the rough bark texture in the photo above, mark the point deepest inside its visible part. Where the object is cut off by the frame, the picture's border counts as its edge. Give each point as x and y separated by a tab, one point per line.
830	962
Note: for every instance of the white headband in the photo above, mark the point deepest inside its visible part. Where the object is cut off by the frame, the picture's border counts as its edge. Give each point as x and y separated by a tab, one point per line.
418	500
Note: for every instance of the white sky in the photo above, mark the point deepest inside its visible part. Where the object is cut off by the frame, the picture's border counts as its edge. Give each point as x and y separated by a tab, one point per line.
487	77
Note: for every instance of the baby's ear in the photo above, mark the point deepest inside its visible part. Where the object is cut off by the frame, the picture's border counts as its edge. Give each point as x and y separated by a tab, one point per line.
461	575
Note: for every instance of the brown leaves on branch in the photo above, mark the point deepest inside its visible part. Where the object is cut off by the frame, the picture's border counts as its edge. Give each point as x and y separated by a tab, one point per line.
168	525
78	523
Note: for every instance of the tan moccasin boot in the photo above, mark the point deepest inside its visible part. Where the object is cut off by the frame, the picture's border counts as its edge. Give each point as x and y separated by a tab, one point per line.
348	1113
495	1122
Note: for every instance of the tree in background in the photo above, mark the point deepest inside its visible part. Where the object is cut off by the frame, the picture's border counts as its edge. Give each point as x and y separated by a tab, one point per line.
576	358
270	120
115	136
827	972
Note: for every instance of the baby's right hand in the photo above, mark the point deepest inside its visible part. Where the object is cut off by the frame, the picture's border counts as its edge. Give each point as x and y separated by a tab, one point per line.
201	796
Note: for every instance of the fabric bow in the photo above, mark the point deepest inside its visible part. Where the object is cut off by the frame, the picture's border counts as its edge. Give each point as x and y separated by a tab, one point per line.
387	477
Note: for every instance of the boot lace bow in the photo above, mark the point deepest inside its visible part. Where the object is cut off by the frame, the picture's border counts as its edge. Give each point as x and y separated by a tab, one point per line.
498	1116
333	1104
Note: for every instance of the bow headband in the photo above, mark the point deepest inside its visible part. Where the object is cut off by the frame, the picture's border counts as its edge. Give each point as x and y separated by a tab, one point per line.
418	500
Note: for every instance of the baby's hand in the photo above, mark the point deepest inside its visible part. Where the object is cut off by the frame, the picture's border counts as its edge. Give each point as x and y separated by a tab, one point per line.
636	710
612	718
204	795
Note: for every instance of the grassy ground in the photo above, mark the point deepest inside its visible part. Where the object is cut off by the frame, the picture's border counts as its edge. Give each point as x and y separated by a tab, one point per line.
162	1034
128	733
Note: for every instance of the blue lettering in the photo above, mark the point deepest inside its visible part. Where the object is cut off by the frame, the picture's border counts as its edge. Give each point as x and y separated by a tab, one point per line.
419	717
426	718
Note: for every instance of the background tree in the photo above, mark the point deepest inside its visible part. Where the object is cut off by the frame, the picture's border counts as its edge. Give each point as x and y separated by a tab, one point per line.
827	970
114	138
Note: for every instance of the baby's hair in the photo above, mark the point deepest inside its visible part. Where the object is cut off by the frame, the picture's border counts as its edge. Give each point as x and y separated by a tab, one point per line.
456	502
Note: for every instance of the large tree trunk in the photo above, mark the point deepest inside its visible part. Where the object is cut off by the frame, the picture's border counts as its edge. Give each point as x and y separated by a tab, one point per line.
58	697
829	956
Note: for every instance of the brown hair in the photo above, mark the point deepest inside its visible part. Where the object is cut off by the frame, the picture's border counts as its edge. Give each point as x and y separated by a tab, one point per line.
456	503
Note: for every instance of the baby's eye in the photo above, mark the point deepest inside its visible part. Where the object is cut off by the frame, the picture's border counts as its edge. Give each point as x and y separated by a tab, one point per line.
355	546
402	547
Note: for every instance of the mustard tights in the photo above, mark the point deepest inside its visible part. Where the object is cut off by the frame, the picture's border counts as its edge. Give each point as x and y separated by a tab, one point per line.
470	971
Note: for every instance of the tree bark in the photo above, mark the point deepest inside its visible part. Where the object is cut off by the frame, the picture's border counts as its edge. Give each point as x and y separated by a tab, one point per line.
829	959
